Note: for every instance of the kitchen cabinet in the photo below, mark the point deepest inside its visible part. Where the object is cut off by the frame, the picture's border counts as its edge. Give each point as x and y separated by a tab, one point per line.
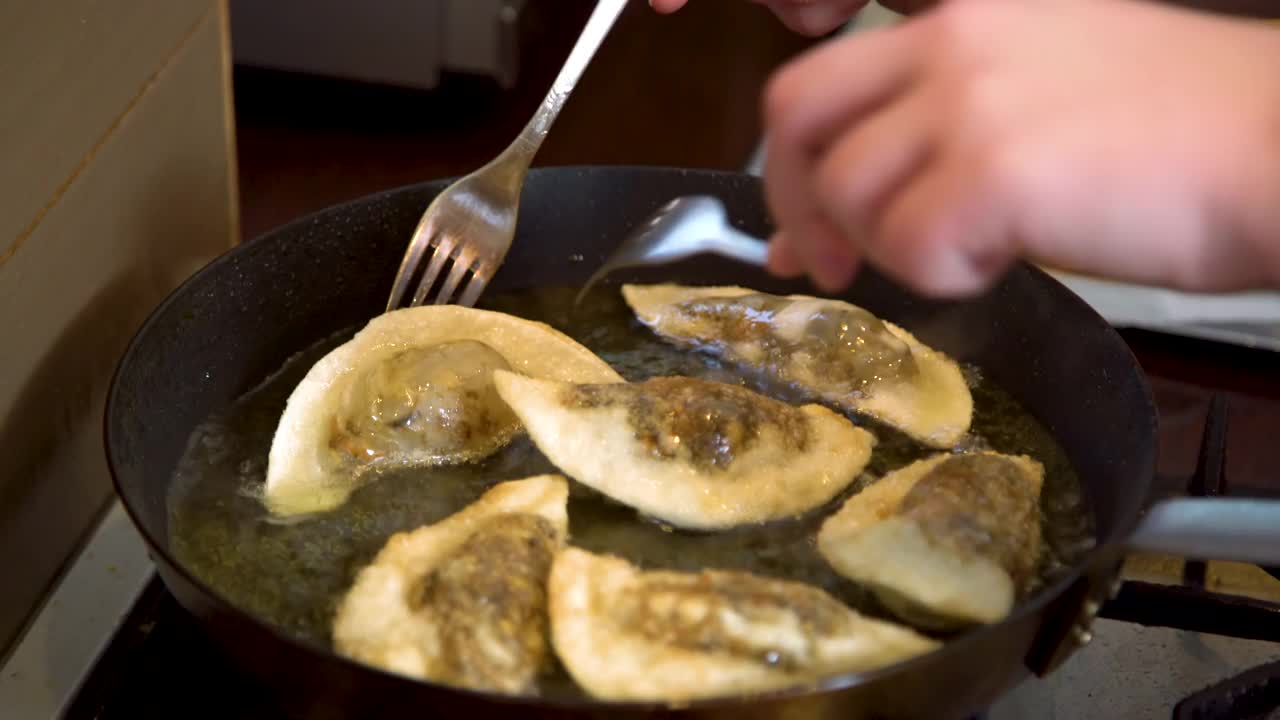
118	182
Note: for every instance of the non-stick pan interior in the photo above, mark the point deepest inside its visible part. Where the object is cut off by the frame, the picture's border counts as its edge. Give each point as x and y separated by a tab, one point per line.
237	321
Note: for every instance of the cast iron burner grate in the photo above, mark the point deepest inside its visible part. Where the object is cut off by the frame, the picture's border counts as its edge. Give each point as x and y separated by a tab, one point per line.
1191	606
1251	695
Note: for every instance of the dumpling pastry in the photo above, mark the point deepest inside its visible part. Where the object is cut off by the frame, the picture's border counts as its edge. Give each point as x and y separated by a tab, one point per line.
691	452
413	387
948	541
664	636
463	602
828	348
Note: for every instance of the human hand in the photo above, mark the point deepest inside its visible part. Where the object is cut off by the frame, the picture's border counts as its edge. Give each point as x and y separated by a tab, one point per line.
807	17
1106	137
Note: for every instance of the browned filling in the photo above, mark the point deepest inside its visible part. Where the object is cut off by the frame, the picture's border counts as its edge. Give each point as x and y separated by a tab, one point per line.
843	347
709	424
431	401
769	621
979	505
490	596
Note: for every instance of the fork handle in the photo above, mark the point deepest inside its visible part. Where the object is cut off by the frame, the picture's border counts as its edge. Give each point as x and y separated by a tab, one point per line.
530	139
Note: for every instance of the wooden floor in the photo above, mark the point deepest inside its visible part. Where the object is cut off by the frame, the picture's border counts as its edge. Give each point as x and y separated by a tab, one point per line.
663	90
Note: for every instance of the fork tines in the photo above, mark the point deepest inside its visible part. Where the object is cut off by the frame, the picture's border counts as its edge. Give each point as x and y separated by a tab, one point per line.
445	252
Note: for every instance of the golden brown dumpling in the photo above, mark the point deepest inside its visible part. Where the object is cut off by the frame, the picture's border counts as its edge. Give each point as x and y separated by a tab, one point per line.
830	349
946	541
414	387
691	452
463	601
632	635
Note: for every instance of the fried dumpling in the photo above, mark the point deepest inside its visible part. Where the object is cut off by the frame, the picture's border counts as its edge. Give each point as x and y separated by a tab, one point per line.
691	452
413	387
625	634
948	541
463	602
830	349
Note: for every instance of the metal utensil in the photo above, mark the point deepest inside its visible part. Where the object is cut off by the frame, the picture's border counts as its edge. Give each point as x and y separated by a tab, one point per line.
473	221
682	228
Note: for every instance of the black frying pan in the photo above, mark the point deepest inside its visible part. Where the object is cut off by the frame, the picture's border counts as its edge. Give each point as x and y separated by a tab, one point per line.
238	320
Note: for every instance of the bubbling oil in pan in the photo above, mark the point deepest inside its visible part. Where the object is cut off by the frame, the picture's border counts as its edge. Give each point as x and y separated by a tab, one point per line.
292	573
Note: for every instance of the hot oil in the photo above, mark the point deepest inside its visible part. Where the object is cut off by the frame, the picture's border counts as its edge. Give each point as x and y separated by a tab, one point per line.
292	573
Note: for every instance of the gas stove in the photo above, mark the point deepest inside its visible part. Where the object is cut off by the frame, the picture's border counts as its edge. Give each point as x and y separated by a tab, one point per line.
1181	639
1184	640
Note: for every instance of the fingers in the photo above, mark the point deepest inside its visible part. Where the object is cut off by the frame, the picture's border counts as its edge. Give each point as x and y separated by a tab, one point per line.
814	96
944	233
806	17
667	6
814	19
783	260
807	104
825	255
867	165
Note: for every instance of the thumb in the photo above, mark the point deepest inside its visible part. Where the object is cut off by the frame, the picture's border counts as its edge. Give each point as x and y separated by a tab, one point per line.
667	6
813	19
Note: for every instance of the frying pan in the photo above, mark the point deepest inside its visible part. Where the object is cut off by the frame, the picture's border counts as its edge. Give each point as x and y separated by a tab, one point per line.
236	322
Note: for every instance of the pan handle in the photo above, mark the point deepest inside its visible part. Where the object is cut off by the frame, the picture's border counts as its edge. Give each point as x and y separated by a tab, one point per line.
1231	529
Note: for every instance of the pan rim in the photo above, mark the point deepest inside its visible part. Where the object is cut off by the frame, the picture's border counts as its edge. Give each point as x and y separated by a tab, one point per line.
1035	604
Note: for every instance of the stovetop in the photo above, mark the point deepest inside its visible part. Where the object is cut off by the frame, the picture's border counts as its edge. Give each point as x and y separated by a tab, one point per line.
161	665
1185	640
1225	617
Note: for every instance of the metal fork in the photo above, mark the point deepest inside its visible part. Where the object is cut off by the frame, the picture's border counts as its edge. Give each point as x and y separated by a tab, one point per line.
682	228
473	220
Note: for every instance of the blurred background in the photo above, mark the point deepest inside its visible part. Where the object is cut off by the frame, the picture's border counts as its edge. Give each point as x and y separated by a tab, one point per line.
433	88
